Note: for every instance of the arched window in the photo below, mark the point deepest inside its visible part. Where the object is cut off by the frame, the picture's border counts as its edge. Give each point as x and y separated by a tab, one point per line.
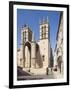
44	32
25	35
20	62
43	57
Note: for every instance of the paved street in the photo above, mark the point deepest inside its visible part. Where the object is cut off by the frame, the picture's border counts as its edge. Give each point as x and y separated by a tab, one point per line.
26	76
35	77
23	75
20	72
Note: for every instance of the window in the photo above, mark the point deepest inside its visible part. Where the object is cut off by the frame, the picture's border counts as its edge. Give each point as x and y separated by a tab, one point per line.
43	32
20	62
25	36
43	57
57	51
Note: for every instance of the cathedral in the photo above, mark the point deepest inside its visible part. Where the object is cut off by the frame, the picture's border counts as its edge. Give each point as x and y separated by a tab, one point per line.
35	56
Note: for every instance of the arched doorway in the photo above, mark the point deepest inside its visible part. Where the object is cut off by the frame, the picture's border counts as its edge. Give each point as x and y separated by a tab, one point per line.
39	61
59	62
27	52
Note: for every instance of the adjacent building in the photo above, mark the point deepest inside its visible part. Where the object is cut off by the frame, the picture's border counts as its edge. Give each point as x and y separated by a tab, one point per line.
58	53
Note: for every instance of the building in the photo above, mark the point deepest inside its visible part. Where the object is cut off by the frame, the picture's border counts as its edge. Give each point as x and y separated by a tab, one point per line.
51	63
59	46
34	57
55	56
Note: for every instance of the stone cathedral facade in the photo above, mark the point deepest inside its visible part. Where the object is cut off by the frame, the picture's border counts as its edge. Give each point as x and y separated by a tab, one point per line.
34	57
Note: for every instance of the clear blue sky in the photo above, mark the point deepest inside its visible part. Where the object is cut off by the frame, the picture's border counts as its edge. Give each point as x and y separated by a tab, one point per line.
32	18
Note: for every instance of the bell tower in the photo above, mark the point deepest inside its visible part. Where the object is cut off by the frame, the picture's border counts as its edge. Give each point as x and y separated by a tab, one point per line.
26	34
44	30
26	38
44	42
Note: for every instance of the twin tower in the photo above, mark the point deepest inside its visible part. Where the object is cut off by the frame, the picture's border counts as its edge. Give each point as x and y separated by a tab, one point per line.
34	57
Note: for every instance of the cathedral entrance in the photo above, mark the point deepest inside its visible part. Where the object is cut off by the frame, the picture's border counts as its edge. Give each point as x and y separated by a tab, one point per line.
27	55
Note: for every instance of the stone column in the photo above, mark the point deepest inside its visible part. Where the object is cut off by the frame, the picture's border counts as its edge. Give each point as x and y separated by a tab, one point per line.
33	52
33	55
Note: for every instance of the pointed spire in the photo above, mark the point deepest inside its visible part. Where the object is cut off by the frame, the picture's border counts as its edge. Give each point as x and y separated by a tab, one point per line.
40	21
43	19
47	19
25	25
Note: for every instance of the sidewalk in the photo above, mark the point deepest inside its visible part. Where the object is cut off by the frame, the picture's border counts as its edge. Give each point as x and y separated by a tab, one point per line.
57	74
